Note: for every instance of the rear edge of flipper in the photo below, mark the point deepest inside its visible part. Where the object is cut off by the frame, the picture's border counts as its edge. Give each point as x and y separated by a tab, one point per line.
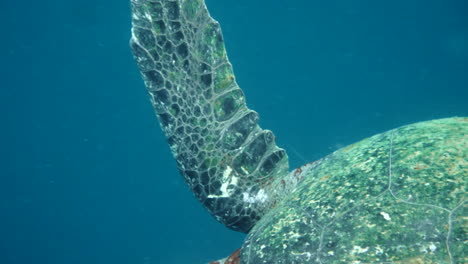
228	161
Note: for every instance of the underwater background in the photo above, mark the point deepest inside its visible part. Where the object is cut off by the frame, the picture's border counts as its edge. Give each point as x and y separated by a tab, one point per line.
86	174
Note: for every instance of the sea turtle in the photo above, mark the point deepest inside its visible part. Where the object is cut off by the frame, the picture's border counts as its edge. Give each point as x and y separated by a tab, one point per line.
396	197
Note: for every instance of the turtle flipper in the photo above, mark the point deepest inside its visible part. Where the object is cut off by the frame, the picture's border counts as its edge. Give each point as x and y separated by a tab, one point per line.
228	161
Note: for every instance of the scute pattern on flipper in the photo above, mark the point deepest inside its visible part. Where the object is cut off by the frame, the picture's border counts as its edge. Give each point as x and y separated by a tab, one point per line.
227	160
397	197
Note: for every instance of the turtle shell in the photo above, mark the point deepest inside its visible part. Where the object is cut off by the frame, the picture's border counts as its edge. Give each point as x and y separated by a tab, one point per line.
397	197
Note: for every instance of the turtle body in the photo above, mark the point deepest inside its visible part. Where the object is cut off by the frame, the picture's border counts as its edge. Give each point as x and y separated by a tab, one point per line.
397	197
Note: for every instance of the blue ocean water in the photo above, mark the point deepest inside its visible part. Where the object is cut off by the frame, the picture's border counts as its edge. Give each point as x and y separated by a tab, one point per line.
86	175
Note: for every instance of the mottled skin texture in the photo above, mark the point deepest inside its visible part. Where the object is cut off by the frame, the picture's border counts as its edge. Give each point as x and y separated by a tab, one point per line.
227	160
397	197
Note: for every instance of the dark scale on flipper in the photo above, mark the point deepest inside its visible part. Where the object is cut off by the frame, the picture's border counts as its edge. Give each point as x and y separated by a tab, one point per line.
223	154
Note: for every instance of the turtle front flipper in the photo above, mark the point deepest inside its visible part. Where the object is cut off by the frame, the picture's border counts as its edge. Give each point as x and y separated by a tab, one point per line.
228	161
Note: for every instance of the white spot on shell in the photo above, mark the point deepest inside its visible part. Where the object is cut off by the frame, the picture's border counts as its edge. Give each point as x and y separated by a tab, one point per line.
359	250
386	216
378	250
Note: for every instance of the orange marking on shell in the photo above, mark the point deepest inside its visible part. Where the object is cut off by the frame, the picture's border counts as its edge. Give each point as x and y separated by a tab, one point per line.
234	258
298	171
312	162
